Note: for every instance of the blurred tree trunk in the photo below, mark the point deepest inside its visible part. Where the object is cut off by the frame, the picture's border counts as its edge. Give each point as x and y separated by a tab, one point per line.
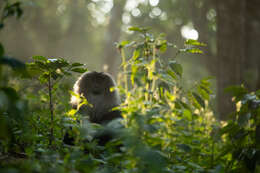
112	36
252	64
231	48
238	42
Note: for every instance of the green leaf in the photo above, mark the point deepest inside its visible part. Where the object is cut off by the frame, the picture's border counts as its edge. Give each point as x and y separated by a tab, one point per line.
191	50
39	58
194	43
172	74
184	147
203	92
176	67
44	77
237	91
194	51
123	44
163	47
76	64
187	114
79	70
55	64
199	99
137	29
136	54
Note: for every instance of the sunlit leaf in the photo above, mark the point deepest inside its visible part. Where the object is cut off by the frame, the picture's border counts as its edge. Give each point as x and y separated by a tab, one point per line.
136	54
137	29
199	99
172	74
194	42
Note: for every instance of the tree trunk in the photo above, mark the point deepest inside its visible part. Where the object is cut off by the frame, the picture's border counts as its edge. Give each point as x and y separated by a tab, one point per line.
112	36
252	65
231	50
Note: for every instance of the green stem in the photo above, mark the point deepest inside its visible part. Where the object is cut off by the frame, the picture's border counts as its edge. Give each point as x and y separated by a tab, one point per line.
153	68
51	110
124	70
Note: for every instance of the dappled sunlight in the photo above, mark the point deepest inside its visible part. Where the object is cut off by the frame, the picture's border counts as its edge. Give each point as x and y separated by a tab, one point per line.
189	32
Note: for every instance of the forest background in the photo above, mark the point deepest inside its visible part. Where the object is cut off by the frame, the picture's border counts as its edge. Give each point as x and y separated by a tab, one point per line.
86	31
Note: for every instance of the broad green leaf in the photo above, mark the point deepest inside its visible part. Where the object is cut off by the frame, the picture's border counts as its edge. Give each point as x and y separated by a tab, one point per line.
79	70
72	112
163	47
136	54
191	50
187	114
172	74
125	42
195	50
76	64
199	99
135	29
194	43
39	58
204	93
176	67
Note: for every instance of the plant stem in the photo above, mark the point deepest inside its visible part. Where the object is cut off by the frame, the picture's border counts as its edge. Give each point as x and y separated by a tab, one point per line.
153	68
124	70
51	109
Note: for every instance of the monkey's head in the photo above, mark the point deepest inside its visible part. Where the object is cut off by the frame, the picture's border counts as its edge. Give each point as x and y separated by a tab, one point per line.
96	88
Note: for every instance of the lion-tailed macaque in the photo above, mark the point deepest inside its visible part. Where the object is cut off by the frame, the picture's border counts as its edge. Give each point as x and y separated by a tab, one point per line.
99	90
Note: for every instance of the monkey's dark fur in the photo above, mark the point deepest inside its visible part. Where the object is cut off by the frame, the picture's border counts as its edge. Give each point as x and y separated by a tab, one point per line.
96	88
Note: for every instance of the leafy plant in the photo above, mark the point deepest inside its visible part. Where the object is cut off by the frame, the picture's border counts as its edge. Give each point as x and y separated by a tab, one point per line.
241	134
48	71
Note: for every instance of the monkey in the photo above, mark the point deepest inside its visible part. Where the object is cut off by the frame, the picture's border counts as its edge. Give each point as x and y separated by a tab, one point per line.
96	88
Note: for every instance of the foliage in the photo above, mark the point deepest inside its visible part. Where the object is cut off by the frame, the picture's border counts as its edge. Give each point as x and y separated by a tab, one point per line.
166	128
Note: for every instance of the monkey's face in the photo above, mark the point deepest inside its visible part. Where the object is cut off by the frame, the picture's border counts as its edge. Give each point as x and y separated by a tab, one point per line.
96	88
97	84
